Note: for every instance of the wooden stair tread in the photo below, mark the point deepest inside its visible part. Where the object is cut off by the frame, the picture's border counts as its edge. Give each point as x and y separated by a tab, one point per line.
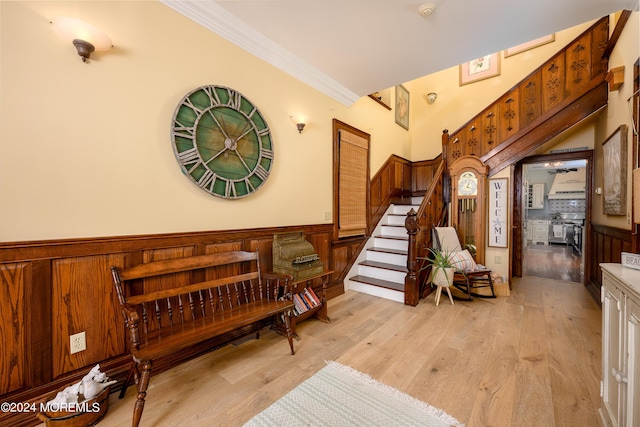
380	236
399	214
384	265
389	251
378	282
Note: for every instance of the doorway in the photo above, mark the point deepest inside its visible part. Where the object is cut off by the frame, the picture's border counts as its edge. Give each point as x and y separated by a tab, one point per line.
552	215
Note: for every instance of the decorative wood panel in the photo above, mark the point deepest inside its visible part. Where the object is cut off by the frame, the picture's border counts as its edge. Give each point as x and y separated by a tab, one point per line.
607	243
473	146
509	122
344	254
83	299
391	182
531	99
600	41
14	278
579	64
423	175
490	128
553	82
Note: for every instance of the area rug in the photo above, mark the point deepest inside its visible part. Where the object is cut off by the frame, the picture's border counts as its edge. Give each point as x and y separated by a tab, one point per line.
341	396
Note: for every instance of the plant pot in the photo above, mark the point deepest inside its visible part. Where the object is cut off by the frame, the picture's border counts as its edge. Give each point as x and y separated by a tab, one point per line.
443	277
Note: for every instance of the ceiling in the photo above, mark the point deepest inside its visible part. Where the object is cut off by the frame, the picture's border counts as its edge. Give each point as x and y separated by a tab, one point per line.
350	48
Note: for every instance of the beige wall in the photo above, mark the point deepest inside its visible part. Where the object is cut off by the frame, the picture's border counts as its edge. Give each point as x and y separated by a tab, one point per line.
79	142
86	148
625	54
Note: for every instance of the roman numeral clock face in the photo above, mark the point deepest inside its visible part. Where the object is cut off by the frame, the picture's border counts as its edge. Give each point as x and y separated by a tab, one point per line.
222	142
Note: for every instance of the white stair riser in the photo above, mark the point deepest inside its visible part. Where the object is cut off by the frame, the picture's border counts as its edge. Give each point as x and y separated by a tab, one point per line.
403	209
382	273
396	220
377	291
390	243
393	231
387	257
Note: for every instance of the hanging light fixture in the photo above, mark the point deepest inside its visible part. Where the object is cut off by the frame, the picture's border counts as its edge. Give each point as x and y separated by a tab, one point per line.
85	37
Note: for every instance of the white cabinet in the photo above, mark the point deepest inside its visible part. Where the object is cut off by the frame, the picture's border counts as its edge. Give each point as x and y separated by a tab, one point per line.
539	231
620	386
528	232
535	196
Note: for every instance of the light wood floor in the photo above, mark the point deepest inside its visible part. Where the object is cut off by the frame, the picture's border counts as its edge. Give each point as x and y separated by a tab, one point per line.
532	359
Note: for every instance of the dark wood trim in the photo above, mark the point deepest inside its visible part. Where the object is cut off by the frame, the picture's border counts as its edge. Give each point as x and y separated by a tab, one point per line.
380	102
64	248
516	194
617	31
517	222
337	127
635	237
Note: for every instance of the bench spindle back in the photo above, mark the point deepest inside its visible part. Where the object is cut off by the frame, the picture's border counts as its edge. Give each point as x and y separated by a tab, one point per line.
217	284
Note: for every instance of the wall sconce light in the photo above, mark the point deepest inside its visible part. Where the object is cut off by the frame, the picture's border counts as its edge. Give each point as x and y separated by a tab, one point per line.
431	97
300	122
85	37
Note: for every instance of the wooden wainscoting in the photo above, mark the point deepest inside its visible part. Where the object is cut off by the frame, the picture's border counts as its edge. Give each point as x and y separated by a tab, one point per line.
52	289
606	245
399	179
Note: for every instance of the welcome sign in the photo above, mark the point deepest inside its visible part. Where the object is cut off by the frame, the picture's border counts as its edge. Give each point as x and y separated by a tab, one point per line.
498	204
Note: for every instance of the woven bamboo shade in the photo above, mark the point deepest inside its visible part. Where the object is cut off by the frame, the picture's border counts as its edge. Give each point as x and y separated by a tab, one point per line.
354	152
636	195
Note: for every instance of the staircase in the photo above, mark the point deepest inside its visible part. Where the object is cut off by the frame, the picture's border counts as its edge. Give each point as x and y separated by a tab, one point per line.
381	268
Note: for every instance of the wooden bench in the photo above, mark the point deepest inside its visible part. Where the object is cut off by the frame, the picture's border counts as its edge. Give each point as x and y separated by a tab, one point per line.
174	304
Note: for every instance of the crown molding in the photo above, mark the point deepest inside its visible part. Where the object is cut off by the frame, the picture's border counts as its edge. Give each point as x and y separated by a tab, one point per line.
220	21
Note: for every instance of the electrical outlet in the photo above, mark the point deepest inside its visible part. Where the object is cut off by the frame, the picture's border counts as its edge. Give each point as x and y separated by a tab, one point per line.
327	216
78	342
498	259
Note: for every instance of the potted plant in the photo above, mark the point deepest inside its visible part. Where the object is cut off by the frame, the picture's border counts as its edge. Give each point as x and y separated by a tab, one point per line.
442	269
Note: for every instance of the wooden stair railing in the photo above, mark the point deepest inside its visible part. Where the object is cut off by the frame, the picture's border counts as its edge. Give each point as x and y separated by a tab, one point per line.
418	225
563	91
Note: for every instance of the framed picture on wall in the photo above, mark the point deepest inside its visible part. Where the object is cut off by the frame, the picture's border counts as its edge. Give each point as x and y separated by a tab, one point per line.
614	151
479	69
498	208
402	106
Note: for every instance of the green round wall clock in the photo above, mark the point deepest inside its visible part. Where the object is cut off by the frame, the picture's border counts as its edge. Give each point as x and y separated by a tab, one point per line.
222	142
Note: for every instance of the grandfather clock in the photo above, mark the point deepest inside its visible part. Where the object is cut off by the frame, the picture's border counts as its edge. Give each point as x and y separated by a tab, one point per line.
468	203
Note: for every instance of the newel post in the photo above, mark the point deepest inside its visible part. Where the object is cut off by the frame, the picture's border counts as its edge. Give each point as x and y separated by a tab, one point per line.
411	290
